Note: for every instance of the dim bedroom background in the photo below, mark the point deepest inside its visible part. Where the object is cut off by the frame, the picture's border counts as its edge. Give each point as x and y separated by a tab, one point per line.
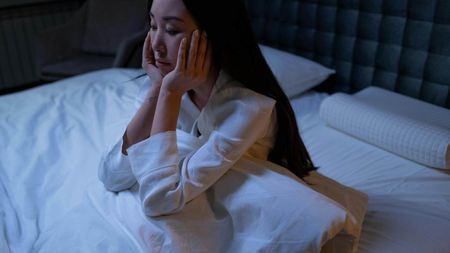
369	82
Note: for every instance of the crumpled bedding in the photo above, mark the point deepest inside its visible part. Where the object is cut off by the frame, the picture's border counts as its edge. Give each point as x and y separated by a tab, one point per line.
51	200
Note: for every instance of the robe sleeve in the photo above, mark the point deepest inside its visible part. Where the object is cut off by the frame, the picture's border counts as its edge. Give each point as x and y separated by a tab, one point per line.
168	180
115	170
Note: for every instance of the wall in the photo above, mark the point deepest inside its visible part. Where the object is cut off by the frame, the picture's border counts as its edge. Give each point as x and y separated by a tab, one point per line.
20	20
15	3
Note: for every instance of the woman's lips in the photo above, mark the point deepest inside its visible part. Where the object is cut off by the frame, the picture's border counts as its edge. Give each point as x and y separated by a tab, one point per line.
160	64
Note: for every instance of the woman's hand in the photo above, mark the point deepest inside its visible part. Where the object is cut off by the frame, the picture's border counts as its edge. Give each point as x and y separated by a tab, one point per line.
191	71
148	62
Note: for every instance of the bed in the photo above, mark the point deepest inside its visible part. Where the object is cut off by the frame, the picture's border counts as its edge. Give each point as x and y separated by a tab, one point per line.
53	136
408	202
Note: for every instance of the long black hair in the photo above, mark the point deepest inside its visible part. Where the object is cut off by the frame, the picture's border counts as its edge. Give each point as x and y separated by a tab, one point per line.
236	51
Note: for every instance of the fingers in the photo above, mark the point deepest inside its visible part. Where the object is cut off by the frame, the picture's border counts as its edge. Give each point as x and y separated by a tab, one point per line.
147	52
197	54
208	58
193	52
196	61
181	62
203	54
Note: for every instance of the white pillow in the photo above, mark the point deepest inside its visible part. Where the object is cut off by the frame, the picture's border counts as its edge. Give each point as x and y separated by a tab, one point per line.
354	202
295	74
404	126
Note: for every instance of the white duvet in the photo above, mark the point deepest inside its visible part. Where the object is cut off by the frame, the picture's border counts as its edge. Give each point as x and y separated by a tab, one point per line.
52	139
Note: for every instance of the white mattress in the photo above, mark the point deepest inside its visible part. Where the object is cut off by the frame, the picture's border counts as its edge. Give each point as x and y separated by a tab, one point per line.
409	204
44	206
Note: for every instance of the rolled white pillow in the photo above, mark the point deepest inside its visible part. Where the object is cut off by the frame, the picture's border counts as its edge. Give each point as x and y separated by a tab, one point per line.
416	140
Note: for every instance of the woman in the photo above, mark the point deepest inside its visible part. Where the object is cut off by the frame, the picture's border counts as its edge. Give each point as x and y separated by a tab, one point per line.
209	79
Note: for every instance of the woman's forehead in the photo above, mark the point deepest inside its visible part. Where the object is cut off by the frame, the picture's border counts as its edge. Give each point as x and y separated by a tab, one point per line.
175	8
169	10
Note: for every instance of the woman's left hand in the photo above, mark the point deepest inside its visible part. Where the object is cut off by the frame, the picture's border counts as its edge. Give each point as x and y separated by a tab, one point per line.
191	70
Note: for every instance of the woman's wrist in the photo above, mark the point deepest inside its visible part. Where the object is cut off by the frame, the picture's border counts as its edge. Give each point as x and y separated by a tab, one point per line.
153	92
168	94
167	111
167	90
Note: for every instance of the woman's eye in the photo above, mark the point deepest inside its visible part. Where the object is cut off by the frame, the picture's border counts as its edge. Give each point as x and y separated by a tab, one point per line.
153	27
171	32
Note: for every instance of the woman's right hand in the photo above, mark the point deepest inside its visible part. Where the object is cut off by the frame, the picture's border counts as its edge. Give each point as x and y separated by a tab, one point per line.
148	62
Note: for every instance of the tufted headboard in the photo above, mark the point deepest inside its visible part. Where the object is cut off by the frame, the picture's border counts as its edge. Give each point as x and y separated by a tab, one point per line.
401	45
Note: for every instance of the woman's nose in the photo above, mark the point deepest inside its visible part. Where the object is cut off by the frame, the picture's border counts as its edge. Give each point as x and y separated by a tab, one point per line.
158	43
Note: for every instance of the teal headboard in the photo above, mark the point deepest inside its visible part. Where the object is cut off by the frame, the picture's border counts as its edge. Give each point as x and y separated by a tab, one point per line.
401	45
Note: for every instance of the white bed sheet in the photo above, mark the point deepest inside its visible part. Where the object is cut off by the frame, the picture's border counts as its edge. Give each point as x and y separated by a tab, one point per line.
52	201
41	187
409	204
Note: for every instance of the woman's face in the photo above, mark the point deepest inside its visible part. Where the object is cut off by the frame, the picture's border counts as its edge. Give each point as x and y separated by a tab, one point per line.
170	23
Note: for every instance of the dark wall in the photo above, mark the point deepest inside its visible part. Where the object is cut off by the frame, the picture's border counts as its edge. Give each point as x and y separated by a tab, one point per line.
20	20
15	3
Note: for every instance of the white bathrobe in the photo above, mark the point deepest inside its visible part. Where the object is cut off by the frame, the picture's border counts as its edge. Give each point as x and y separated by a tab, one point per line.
213	177
235	122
